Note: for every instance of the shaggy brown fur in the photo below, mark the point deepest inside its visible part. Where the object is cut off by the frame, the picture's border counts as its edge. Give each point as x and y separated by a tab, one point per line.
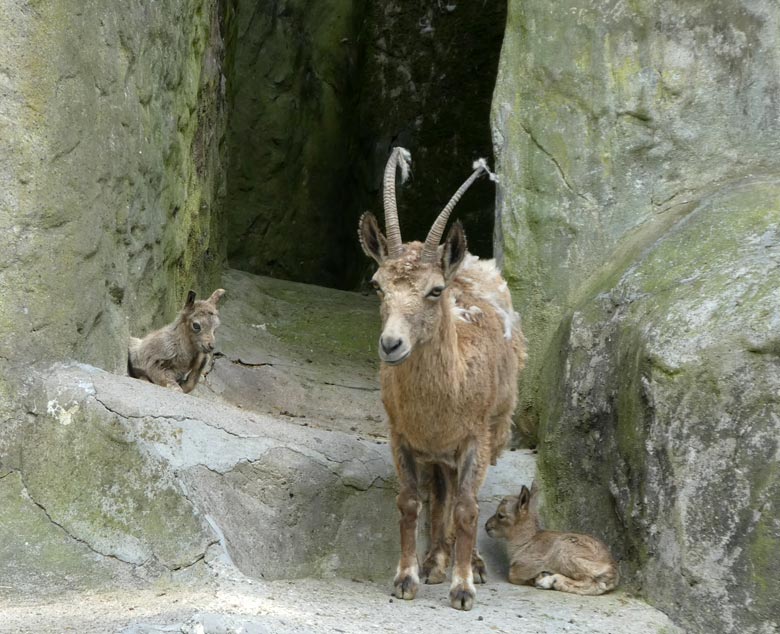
451	348
176	355
570	562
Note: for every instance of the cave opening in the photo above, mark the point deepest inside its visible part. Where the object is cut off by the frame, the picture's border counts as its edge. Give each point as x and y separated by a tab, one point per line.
319	92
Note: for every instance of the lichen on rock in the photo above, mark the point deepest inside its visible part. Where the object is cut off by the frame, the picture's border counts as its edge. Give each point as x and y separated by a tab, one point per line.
638	228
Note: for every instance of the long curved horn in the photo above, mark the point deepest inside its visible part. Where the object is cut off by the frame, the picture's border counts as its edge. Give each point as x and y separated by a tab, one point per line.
437	230
398	157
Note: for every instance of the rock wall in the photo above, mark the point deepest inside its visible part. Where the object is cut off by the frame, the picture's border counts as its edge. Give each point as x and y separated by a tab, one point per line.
291	74
664	433
611	120
320	92
110	123
111	172
638	214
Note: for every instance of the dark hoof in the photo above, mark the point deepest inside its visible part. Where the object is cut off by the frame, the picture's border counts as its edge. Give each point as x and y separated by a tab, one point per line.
479	571
405	587
545	581
435	576
462	597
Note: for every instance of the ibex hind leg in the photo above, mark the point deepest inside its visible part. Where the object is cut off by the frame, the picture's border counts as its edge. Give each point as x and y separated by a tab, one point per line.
437	561
478	567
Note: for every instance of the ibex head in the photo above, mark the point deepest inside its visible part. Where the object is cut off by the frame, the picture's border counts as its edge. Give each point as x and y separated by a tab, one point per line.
412	278
201	320
514	511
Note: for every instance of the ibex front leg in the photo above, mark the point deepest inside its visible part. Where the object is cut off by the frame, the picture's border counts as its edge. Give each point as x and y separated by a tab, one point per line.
196	370
471	472
407	577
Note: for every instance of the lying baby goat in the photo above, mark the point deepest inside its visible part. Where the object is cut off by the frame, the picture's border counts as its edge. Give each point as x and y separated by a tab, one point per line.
175	355
570	562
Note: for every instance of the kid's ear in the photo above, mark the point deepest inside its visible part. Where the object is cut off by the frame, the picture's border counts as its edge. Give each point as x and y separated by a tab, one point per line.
216	296
454	251
190	300
371	239
524	498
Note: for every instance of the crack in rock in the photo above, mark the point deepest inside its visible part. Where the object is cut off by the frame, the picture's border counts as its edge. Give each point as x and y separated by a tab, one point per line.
557	165
352	387
174	418
71	535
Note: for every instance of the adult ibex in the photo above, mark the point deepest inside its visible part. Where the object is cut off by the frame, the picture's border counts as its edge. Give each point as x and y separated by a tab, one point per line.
451	348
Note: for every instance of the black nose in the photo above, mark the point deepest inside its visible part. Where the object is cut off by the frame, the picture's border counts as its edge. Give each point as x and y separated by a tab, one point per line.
389	344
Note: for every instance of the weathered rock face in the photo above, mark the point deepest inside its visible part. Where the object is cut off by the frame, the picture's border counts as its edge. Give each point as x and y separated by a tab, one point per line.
610	120
320	92
664	433
291	73
111	117
110	120
148	478
638	225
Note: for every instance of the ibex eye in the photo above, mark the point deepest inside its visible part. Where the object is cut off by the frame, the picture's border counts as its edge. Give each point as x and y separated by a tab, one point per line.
501	516
436	291
196	326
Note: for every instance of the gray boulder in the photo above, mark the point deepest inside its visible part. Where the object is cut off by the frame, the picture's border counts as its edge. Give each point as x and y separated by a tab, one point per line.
638	147
664	433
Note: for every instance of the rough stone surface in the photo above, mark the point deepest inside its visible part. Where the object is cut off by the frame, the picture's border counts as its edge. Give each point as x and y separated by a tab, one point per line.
233	604
320	92
152	477
290	74
610	119
637	145
303	353
667	416
110	122
52	559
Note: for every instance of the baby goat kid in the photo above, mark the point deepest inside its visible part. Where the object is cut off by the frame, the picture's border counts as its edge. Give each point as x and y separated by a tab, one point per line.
450	348
570	562
175	355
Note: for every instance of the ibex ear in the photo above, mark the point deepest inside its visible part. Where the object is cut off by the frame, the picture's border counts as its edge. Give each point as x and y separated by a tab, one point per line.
190	300
524	498
216	296
371	239
454	251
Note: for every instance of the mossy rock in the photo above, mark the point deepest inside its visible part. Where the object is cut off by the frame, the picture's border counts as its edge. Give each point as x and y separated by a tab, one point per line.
663	435
610	121
39	557
83	465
